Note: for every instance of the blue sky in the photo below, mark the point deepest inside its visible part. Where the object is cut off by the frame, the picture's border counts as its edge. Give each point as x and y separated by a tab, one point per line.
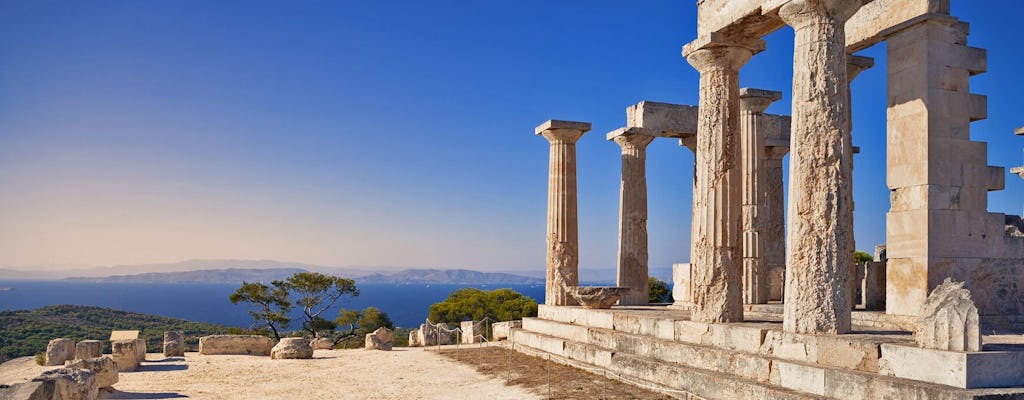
378	133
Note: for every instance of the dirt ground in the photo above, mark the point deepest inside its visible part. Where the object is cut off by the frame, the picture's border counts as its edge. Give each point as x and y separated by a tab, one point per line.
403	373
548	379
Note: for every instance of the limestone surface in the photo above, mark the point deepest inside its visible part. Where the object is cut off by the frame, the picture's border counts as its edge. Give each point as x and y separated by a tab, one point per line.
292	348
174	344
632	271
597	297
124	354
471	332
104	368
140	349
321	344
236	344
60	350
819	257
381	339
949	320
71	383
502	330
753	135
88	349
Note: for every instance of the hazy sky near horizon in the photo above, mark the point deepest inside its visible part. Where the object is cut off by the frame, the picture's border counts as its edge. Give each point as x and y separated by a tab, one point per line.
378	133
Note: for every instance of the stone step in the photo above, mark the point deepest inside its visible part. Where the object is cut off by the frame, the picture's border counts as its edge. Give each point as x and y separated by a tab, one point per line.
840	369
674	379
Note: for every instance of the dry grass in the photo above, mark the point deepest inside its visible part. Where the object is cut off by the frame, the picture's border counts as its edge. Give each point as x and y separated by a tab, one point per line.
547	378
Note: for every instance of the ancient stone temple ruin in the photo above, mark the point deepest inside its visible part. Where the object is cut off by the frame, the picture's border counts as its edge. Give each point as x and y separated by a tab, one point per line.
772	303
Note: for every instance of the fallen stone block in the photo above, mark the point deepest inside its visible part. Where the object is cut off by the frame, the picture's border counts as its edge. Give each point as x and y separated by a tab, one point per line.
60	350
104	368
380	339
292	348
322	344
236	344
124	354
471	332
174	344
71	383
140	349
949	320
88	349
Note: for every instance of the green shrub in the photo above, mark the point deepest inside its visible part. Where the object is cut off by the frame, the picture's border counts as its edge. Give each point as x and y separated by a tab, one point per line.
41	358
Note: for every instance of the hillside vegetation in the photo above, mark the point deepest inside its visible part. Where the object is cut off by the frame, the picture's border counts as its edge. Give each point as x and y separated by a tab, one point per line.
27	332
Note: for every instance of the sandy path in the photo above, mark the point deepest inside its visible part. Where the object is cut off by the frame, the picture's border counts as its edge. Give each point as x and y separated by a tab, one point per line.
403	373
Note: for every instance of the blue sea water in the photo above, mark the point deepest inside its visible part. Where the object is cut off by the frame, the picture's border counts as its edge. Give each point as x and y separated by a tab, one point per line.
407	305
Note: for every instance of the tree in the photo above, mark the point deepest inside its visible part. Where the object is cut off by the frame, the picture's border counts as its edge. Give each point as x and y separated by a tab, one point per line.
270	305
658	291
862	257
361	323
317	293
475	304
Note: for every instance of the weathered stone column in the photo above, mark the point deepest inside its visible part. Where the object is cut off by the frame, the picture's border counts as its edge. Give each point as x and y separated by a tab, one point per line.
753	103
775	222
632	266
562	232
714	249
818	257
854	66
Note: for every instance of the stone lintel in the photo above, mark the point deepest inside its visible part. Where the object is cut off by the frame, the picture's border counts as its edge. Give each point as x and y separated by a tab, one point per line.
861	62
554	124
719	39
924	17
663	119
868	26
631	131
1019	131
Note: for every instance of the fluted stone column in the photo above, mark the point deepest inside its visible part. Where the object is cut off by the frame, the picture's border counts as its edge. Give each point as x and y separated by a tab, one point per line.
775	221
753	103
632	265
562	232
854	66
715	243
818	257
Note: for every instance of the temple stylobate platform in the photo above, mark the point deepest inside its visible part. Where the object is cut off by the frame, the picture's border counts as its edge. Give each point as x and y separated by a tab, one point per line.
772	303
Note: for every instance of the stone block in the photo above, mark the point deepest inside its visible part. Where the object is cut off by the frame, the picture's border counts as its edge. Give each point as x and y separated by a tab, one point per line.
381	339
124	335
502	330
236	344
29	391
800	377
124	354
292	348
996	178
88	349
987	369
174	344
60	350
104	367
140	349
667	120
949	320
327	344
873	286
979	107
682	284
71	383
776	283
471	332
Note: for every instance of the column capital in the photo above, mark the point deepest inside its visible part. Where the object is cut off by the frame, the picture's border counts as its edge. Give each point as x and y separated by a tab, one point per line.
632	137
718	58
857	64
562	131
757	100
801	14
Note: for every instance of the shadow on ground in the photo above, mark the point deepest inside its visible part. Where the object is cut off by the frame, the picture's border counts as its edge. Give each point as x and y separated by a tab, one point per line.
117	394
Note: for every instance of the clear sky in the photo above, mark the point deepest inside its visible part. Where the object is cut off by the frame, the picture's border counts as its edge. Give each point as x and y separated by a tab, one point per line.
378	133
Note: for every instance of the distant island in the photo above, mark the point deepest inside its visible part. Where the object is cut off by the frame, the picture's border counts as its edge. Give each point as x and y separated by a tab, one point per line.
237	275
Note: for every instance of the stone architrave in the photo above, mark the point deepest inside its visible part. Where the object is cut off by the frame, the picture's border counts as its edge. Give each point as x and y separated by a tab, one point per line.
174	344
753	134
562	228
818	256
715	252
88	349
60	350
292	348
949	320
632	269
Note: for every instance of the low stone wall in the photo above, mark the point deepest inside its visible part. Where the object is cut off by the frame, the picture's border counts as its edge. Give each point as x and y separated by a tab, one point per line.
502	330
236	344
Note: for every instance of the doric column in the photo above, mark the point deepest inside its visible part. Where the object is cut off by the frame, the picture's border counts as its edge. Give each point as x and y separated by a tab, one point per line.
775	221
818	256
563	233
632	266
753	102
854	66
714	250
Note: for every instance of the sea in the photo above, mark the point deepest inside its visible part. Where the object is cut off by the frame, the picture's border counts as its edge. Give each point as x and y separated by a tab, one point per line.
406	305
